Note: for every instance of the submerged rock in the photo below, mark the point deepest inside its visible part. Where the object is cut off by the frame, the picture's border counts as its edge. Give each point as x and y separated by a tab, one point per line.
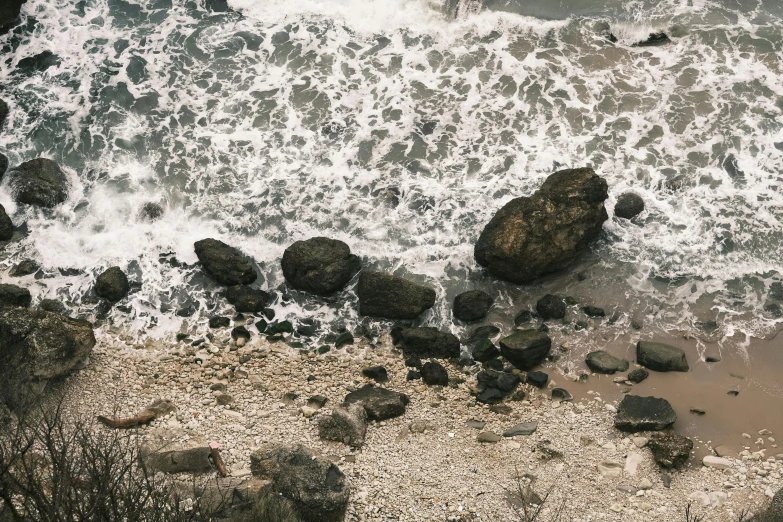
636	414
12	295
391	297
112	284
604	362
224	263
6	226
246	299
526	349
485	351
150	212
551	307
39	62
654	40
40	182
628	206
427	342
543	233
472	306
661	357
319	265
379	403
9	12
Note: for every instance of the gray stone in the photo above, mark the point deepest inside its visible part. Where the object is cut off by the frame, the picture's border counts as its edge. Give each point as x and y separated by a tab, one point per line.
488	437
390	297
526	349
638	375
24	268
190	460
475	424
635	414
247	299
661	357
6	226
524	428
604	362
561	394
346	424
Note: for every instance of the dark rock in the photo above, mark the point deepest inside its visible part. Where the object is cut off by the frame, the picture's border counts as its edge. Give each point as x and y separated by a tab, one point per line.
413	362
629	205
39	62
413	375
537	379
594	311
501	382
472	306
247	299
697	411
391	297
537	235
376	373
343	339
493	364
3	111
219	322
317	401
112	284
524	317
24	268
638	375
280	328
150	212
485	351
6	226
316	488
551	307
380	403
12	295
644	414
319	265
733	393
481	333
526	349
490	396
773	309
191	460
426	342
52	305
269	313
40	182
666	479
346	424
604	362
307	327
654	40
669	449
561	394
240	332
226	264
524	428
434	374
661	357
501	409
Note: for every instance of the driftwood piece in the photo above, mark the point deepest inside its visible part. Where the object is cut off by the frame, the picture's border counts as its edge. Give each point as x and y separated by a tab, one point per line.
157	409
217	459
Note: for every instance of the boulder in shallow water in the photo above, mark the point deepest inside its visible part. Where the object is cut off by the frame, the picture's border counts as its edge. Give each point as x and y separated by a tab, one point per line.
319	265
40	182
6	226
379	403
600	361
24	268
224	263
39	62
526	349
629	205
637	413
246	299
543	233
427	342
669	449
551	307
661	357
392	297
472	305
52	305
112	284
12	295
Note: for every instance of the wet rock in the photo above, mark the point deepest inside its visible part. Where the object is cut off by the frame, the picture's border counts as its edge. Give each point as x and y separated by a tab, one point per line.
434	374
638	375
670	450
524	317
376	373
524	429
391	297
561	394
551	307
39	182
428	343
319	265
6	226
226	264
526	349
654	40
12	295
379	403
150	212
219	322
537	235
112	284
24	268
346	424
472	306
3	113
481	333
247	299
52	305
494	386
635	414
315	487
604	362
240	332
661	357
629	205
484	351
343	339
594	311
537	379
38	62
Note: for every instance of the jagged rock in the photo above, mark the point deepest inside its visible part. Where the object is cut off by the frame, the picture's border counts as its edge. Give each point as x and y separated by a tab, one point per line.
24	268
391	297
346	424
551	307
670	450
638	375
246	299
604	362
628	206
537	235
485	350
316	487
434	374
524	428
6	226
636	414
494	386
472	306
40	182
661	357
12	295
112	284
376	373
319	265
427	342
379	403
226	264
526	349
537	379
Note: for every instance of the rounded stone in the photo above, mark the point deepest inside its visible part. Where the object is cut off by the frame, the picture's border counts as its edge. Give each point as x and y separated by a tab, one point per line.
629	205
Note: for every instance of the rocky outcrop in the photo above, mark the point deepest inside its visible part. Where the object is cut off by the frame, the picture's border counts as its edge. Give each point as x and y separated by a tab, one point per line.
39	182
12	295
494	386
379	403
604	362
346	424
551	307
669	449
6	226
319	265
661	357
226	264
9	12
472	306
636	414
526	349
112	284
543	233
628	206
391	297
315	487
246	299
427	343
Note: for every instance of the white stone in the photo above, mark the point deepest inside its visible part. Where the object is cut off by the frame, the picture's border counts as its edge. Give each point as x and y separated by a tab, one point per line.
700	497
632	462
640	442
716	462
609	469
717	498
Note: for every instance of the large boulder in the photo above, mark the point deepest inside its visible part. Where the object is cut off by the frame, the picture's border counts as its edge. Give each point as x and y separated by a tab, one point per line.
12	295
246	299
226	264
543	233
9	12
637	413
392	297
37	346
6	226
379	403
604	362
112	284
346	424
526	349
472	305
661	357
428	343
319	265
628	206
40	182
316	487
669	449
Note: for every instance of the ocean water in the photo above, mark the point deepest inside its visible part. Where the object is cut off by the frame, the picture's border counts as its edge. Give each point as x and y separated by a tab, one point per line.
400	127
